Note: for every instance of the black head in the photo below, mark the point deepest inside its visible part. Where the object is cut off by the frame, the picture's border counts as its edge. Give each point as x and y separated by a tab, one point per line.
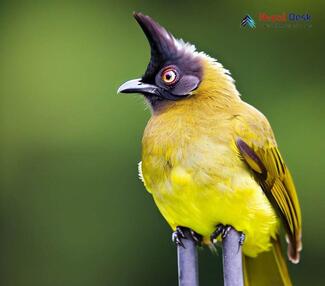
174	70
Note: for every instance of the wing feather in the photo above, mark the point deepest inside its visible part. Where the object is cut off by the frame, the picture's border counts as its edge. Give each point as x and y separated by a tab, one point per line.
276	181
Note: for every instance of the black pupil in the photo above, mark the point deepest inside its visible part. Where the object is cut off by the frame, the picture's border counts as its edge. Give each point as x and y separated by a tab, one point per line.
168	75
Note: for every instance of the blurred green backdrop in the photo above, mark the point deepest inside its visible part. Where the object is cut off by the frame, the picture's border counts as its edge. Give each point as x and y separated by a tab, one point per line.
73	211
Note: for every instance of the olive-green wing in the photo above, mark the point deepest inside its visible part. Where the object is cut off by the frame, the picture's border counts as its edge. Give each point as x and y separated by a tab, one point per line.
276	182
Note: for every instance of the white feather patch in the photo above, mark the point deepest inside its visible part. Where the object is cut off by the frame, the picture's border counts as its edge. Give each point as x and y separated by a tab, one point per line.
190	48
140	171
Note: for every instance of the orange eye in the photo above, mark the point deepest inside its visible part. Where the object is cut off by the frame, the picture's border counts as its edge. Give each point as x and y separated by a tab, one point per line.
169	76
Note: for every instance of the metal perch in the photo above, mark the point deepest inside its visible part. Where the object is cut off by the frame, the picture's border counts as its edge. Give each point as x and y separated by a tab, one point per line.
188	274
232	259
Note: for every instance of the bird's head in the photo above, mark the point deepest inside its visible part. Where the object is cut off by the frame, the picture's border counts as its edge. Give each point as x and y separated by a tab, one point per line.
176	71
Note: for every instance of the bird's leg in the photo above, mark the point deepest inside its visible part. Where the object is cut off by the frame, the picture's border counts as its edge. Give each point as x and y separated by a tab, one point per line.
178	235
223	230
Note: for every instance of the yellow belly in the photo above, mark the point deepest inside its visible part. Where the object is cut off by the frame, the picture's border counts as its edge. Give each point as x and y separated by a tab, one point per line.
203	187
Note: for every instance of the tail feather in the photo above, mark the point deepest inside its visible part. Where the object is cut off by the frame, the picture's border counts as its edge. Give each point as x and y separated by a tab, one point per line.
267	269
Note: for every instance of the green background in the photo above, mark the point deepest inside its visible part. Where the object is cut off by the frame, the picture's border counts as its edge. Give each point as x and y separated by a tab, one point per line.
73	211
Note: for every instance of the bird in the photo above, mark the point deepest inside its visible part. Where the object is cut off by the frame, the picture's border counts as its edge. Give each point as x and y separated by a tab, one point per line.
211	161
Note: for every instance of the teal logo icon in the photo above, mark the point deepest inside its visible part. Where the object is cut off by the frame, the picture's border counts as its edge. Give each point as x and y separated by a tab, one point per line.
248	21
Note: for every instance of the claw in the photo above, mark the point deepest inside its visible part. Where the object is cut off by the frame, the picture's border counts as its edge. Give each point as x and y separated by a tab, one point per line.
223	230
196	237
217	232
226	230
179	234
180	231
242	238
177	240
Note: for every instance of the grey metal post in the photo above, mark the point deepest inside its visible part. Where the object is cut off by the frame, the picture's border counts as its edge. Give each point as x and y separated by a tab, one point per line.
187	257
232	260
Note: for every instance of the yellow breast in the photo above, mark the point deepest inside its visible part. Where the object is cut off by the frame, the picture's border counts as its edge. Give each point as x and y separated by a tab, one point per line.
191	166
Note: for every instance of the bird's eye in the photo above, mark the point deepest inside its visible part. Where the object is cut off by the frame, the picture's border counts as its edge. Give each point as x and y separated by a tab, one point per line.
169	76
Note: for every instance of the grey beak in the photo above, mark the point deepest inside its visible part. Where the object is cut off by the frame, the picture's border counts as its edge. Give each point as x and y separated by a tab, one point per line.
136	86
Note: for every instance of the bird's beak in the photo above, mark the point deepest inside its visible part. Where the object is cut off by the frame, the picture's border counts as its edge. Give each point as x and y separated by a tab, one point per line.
136	86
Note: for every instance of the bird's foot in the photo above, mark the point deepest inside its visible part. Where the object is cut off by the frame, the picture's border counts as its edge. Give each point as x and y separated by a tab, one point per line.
223	230
197	238
179	234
